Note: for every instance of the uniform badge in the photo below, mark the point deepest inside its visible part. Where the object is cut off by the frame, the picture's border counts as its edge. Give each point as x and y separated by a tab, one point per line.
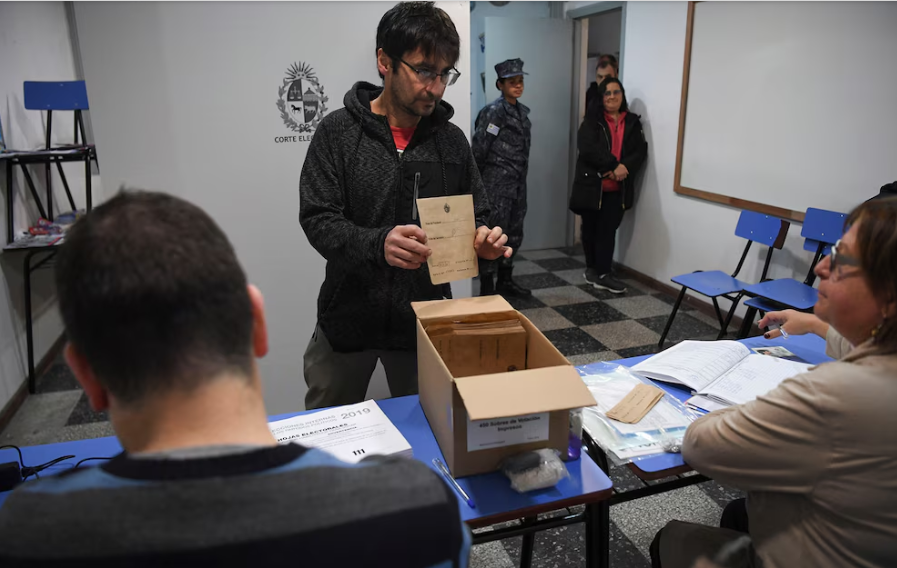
493	130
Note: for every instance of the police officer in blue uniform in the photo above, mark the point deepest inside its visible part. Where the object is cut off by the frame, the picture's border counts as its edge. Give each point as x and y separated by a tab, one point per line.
501	145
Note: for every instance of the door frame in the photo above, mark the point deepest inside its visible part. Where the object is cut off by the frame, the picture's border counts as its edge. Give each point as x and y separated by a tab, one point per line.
580	17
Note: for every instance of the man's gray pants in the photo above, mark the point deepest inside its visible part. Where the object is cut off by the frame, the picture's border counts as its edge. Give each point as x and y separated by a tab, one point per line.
335	379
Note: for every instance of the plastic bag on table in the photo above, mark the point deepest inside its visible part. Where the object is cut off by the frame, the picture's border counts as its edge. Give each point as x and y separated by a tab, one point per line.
539	469
661	430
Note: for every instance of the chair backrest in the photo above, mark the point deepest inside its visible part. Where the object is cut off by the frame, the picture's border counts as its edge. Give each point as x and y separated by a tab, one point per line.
55	95
764	229
813	246
823	226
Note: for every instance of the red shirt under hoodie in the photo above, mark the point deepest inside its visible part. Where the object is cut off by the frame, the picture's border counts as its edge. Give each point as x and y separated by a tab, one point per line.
616	146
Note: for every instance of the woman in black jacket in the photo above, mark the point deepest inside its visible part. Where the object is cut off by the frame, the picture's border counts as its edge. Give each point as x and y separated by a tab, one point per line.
612	148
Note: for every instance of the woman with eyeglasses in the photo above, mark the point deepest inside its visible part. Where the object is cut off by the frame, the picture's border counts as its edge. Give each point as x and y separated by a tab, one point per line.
612	148
817	456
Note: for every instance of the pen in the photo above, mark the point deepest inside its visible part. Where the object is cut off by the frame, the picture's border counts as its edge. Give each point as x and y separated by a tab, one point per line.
445	472
783	332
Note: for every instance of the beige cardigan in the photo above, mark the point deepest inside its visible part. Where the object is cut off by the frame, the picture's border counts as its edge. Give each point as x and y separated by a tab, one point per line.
818	459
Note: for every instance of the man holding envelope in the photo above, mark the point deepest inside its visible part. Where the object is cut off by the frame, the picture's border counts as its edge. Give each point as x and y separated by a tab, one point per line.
366	168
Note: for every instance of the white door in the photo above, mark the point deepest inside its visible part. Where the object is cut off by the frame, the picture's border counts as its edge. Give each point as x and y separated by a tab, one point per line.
546	48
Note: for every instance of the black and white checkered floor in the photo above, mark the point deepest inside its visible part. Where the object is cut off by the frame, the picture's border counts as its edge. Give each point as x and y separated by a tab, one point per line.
585	324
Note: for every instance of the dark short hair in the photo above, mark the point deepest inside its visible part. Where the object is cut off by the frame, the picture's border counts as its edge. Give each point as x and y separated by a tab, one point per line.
877	253
608	59
596	109
411	25
152	295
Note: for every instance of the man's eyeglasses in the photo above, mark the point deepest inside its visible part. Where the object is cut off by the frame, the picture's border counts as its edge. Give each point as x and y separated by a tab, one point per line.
426	76
837	260
614	93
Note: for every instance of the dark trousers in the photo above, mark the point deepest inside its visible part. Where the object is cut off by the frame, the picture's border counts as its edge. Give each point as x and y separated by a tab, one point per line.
335	379
599	232
508	200
679	545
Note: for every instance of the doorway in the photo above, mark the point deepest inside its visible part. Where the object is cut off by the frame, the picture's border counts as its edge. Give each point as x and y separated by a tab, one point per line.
599	29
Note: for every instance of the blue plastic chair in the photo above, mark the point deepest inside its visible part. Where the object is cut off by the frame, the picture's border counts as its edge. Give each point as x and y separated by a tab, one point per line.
756	228
59	96
821	229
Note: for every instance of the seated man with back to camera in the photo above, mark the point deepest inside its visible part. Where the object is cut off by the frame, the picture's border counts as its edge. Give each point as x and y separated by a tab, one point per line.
816	455
164	333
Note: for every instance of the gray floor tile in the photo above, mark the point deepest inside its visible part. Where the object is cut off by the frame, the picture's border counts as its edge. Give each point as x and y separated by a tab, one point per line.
605	295
524	267
640	306
684	327
638	351
642	518
57	378
636	285
710	320
574	341
84	414
622	334
490	555
527	303
542	254
587	358
556	264
562	296
39	418
720	494
590	314
580	257
85	432
546	319
537	281
574	276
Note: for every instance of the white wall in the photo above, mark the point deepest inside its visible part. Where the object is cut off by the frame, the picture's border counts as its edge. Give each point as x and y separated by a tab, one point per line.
667	234
183	97
481	11
35	46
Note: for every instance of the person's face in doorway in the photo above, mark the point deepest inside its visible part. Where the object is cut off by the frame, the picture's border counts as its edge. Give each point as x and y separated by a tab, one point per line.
604	72
613	97
512	87
415	83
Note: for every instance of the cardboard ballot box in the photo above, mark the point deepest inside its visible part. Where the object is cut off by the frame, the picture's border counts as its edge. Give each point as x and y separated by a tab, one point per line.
479	419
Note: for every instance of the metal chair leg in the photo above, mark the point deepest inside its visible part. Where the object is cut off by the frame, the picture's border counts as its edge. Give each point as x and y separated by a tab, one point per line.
747	323
29	324
725	328
666	330
526	549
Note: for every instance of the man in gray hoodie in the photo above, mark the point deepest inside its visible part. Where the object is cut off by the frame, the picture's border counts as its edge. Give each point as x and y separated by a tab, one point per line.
366	165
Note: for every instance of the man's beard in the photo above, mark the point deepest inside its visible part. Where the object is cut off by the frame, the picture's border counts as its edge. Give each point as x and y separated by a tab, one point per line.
410	106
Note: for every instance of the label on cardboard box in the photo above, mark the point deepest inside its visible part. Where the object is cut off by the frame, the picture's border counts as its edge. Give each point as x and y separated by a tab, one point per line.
500	432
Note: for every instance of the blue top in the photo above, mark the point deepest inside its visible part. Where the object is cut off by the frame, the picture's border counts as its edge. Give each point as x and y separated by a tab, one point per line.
491	492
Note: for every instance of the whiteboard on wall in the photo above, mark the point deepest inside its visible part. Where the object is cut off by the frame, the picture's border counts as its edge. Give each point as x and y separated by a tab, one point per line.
788	105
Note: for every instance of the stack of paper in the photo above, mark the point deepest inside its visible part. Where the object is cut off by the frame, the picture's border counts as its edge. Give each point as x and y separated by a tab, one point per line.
721	373
480	347
349	433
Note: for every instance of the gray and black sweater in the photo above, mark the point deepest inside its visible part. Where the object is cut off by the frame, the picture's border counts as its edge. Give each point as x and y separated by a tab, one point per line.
355	187
279	506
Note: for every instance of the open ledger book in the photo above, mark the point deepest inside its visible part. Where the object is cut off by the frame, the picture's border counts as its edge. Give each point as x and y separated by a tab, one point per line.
725	372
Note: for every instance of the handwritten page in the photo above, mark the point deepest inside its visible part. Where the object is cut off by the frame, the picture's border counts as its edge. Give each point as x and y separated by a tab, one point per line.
451	229
694	364
755	376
